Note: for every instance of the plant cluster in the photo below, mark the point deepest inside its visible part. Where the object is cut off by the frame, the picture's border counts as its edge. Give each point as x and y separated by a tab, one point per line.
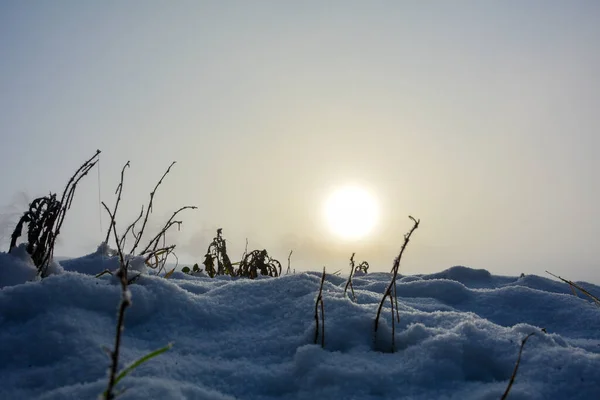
254	263
216	260
258	262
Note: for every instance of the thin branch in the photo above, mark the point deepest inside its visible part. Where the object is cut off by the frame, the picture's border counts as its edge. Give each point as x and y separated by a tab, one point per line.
514	374
149	209
125	302
168	224
131	228
245	251
396	299
74	179
349	282
289	262
582	290
389	290
320	300
55	222
118	193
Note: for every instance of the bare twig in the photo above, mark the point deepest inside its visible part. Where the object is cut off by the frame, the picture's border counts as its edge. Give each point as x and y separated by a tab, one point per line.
131	228
154	242
245	252
396	300
349	283
65	202
118	193
152	250
595	299
514	374
160	257
125	302
287	272
138	236
390	288
362	267
320	301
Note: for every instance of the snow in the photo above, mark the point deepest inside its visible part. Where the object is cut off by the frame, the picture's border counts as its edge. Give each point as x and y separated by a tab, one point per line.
458	336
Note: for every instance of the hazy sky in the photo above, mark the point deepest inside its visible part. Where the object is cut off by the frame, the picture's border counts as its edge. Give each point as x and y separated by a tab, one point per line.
478	117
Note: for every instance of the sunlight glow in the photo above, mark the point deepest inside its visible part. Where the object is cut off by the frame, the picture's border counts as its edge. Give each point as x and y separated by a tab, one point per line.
351	212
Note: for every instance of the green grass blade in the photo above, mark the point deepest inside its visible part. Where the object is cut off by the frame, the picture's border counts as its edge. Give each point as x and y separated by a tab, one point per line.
140	361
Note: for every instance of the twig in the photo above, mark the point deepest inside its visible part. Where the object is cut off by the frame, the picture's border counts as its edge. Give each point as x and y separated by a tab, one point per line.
582	290
154	242
149	209
131	228
320	300
118	193
66	200
349	283
514	374
287	272
396	299
125	302
245	251
388	290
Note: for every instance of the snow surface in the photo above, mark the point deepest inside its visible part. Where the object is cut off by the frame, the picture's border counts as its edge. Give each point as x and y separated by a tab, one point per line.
458	336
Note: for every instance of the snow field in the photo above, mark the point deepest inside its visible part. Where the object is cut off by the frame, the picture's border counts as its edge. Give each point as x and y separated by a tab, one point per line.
458	336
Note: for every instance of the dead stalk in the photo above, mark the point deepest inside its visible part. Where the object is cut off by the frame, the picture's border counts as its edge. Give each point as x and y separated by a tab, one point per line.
595	299
138	236
320	301
514	374
390	290
125	302
118	193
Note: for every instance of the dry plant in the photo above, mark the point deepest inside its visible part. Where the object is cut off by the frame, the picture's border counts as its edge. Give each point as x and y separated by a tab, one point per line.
318	302
574	286
156	251
514	374
254	263
217	252
45	218
113	378
288	271
390	291
153	250
362	267
258	261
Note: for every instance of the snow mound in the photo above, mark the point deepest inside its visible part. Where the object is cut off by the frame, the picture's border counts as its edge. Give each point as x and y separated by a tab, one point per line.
467	276
458	337
16	267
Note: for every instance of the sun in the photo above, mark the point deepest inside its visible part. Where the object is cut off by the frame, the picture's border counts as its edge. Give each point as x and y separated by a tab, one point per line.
351	212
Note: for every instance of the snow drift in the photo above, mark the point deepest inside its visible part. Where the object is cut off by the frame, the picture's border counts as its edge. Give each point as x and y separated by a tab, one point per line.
458	336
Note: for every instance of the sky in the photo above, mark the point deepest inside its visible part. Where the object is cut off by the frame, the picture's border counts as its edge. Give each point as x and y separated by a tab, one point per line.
479	118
